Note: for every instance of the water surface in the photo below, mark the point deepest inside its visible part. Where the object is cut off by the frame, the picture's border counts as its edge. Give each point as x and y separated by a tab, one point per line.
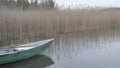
95	49
39	61
90	49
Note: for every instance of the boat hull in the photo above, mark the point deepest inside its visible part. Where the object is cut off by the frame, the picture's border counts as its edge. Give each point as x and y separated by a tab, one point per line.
24	54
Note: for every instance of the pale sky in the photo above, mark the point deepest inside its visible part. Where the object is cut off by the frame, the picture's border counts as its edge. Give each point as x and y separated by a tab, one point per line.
91	3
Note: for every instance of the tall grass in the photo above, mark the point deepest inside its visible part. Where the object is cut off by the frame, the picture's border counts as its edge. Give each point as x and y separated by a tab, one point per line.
32	25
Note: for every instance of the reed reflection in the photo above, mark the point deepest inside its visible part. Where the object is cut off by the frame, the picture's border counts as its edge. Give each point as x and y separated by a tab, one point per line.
39	61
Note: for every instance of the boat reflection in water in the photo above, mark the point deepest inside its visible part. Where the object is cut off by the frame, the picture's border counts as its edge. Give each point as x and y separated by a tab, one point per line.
39	61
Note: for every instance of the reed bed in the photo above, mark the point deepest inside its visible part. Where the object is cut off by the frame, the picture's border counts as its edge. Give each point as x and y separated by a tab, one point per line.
18	27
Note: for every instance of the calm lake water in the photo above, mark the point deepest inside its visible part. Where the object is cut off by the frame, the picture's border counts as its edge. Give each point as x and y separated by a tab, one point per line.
96	49
92	49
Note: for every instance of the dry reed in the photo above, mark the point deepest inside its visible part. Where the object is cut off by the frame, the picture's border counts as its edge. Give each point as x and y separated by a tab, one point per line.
26	26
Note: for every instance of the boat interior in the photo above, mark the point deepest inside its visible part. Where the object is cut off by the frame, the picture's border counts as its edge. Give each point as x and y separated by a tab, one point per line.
4	51
18	48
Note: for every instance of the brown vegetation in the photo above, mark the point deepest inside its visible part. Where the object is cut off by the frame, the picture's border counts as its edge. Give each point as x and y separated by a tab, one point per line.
26	26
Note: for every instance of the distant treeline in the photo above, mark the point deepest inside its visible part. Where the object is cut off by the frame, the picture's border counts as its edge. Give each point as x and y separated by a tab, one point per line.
26	4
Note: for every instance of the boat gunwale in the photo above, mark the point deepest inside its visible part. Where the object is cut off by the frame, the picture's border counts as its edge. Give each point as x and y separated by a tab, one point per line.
49	40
